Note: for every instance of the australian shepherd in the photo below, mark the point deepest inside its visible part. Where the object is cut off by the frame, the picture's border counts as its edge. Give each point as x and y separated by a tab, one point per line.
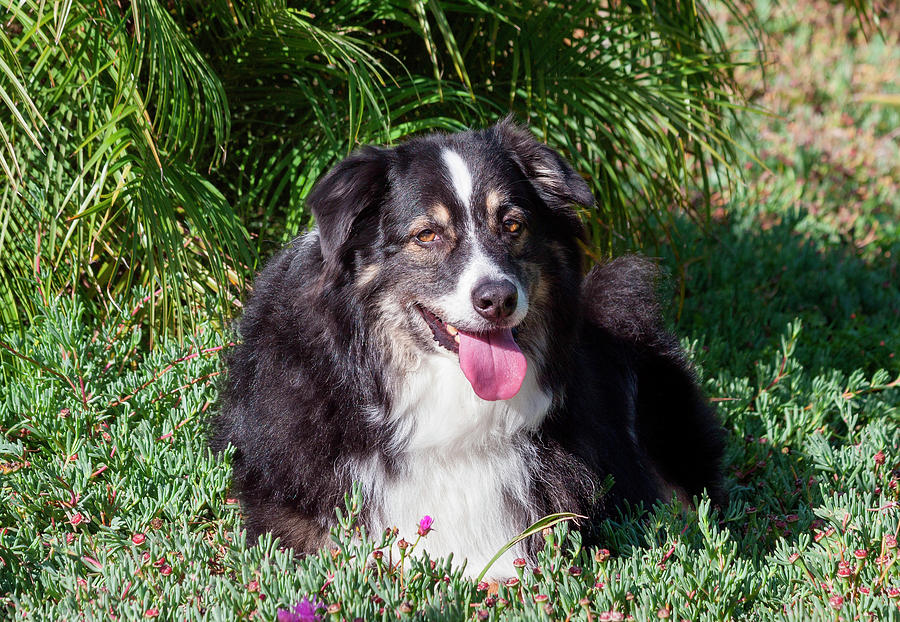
435	338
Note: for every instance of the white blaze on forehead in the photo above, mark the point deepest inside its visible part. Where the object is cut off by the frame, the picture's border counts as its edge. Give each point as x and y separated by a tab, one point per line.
457	306
460	176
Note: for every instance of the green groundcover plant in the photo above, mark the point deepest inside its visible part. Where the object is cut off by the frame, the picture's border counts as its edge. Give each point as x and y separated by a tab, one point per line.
111	504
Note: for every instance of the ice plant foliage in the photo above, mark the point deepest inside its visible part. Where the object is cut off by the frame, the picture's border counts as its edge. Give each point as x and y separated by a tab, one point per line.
843	535
304	611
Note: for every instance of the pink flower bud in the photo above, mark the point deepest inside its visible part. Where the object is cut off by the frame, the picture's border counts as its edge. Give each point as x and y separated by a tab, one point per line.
425	525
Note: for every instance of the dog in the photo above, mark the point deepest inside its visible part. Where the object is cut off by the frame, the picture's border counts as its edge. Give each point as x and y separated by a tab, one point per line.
434	338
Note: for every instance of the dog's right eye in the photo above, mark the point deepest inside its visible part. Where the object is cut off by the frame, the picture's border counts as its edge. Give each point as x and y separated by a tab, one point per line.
426	236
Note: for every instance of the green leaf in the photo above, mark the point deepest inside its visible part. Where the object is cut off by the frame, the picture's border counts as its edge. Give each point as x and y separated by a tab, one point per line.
535	528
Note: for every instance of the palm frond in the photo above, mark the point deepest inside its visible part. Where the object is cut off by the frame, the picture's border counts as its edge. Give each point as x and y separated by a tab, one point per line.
111	195
168	145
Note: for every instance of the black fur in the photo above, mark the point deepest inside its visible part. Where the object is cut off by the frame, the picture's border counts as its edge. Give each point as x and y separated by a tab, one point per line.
315	360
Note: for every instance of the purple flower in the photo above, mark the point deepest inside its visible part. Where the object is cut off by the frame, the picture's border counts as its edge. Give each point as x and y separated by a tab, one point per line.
304	611
425	525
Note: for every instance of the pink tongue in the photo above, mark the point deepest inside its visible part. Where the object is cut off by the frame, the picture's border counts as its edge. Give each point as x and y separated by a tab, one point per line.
493	363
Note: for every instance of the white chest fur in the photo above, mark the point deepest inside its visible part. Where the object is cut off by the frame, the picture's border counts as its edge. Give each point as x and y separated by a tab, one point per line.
462	459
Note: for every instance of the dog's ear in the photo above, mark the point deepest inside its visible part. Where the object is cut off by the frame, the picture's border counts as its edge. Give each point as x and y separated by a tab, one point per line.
553	178
348	194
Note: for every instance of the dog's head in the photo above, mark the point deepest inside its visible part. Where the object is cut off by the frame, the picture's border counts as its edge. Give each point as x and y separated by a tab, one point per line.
460	243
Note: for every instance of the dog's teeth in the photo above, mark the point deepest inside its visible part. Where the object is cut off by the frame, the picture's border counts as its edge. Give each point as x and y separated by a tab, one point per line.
456	338
451	329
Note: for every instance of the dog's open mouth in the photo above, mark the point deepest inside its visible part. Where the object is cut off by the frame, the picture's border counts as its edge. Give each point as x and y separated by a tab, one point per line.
491	361
446	335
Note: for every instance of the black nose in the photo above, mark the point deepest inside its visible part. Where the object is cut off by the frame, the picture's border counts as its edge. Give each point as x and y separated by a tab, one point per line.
495	300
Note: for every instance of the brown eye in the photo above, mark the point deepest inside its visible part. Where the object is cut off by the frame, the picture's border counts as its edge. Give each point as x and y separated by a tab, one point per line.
512	226
426	235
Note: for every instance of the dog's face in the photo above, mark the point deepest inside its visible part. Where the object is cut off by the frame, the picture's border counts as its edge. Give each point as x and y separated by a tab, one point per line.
457	243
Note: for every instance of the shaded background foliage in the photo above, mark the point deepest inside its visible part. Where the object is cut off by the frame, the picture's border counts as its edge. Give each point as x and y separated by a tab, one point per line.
170	144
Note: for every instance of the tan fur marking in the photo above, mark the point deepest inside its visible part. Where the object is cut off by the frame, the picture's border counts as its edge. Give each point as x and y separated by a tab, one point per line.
492	203
540	293
366	274
394	334
440	214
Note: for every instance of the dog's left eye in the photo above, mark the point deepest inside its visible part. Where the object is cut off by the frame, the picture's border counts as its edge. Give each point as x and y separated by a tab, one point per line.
426	235
512	226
